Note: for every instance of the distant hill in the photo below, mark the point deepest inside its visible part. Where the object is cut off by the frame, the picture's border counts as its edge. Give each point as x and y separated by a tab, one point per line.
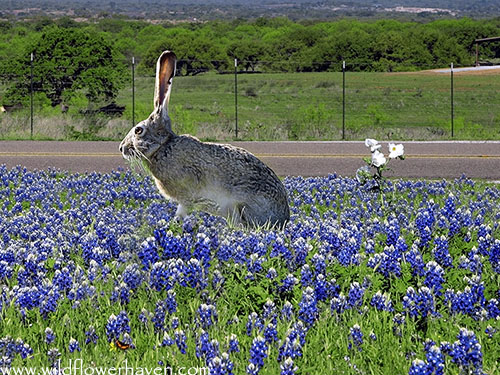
191	10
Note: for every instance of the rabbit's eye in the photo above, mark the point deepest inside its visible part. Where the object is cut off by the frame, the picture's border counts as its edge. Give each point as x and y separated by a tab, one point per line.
139	130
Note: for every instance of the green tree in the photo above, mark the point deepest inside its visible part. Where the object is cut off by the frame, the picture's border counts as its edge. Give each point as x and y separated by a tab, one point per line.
67	61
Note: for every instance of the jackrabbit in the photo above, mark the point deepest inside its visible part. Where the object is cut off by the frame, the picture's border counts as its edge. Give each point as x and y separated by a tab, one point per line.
219	179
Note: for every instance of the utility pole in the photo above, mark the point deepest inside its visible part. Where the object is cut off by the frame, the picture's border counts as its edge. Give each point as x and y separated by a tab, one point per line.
343	100
236	96
31	96
452	109
133	91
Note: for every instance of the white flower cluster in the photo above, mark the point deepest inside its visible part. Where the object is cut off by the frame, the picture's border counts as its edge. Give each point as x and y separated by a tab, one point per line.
378	158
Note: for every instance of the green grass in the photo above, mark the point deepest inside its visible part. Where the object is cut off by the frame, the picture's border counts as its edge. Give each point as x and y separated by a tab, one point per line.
308	106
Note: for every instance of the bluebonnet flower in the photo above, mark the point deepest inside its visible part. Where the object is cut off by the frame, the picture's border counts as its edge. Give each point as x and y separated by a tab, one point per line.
421	303
466	352
381	302
355	296
490	331
308	309
287	311
441	252
271	333
419	367
288	283
392	230
63	280
434	277
217	279
338	304
207	315
91	336
319	264
53	354
117	325
194	275
221	365
144	316
306	276
167	340
49	335
170	302
322	288
254	322
355	337
300	249
288	367
254	265
269	311
425	220
159	315
493	308
494	255
132	276
175	322
435	360
258	351
414	258
234	345
148	253
180	340
271	273
202	249
74	346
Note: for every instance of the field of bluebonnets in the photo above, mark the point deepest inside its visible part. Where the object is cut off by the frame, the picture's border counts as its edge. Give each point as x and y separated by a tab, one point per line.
400	281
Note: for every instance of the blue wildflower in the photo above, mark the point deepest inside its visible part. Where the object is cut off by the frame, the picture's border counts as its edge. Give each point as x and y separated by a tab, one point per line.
355	337
288	367
441	252
74	346
91	336
258	351
180	340
434	277
234	345
207	315
49	335
381	302
221	365
308	309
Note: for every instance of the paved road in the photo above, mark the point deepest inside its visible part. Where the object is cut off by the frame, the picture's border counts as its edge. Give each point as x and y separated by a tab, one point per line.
423	159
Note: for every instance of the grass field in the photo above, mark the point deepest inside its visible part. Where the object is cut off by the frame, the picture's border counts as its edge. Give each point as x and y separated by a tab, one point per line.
297	106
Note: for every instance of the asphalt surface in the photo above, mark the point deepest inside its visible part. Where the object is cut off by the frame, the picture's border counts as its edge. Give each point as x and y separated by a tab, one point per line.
434	160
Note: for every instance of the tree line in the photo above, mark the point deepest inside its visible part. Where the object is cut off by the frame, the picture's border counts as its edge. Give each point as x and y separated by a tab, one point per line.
94	55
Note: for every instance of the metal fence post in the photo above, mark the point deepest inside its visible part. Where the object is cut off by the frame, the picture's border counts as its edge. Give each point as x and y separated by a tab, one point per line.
133	91
452	109
31	96
236	96
343	100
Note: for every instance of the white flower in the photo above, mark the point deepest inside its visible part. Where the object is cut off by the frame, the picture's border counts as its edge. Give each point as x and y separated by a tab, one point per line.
396	151
378	159
373	144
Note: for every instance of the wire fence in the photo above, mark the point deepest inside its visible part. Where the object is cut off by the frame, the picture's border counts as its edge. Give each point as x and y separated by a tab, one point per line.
257	100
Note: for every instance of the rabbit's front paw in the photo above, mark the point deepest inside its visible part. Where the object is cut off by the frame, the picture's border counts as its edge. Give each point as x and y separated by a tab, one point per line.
180	213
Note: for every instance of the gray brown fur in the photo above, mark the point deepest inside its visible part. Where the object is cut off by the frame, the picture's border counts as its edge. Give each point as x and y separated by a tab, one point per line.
220	179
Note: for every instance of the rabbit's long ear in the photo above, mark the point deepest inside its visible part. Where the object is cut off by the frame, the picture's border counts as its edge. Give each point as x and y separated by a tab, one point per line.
165	71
